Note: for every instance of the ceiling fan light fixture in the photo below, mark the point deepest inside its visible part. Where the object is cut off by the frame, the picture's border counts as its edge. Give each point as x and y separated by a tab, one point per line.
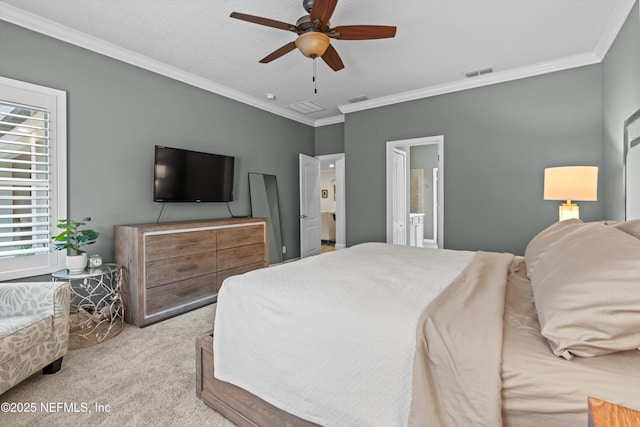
312	44
314	32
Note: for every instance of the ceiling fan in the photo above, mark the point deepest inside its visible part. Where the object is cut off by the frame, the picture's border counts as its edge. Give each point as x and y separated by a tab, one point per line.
314	32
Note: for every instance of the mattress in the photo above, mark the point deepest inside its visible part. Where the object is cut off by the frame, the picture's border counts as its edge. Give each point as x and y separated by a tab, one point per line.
347	358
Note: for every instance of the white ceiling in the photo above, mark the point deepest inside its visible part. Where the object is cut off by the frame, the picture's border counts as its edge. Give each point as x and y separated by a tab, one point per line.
437	41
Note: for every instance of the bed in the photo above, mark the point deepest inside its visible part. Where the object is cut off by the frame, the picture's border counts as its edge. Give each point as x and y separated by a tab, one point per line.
389	335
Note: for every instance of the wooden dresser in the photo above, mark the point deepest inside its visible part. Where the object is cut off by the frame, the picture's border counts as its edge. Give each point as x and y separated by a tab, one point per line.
174	267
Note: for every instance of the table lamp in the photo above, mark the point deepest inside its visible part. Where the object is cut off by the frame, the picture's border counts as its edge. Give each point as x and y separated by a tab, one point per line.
571	183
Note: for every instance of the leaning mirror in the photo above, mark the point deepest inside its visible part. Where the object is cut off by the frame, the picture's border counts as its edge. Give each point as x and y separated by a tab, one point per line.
632	166
263	191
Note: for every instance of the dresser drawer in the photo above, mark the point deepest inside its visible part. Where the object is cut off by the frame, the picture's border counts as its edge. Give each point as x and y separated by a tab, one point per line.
175	294
241	255
163	246
239	236
235	271
170	270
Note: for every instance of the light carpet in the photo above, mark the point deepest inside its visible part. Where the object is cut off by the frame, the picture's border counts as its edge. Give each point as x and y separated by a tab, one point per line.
141	377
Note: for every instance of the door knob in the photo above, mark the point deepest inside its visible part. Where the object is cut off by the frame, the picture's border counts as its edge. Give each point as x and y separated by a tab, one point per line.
303	216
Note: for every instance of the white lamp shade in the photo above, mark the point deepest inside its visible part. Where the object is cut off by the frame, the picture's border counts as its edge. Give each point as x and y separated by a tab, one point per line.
571	183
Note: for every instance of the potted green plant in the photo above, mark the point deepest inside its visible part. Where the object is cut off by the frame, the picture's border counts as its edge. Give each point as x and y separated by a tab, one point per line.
72	238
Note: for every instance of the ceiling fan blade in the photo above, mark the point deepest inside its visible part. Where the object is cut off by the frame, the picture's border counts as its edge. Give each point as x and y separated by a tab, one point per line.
264	21
279	52
362	32
322	10
331	57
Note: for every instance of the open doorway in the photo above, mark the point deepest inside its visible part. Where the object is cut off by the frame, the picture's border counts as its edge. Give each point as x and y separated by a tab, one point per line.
332	202
322	204
415	192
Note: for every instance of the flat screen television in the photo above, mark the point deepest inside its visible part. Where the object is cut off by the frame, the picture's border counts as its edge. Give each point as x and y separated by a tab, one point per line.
191	176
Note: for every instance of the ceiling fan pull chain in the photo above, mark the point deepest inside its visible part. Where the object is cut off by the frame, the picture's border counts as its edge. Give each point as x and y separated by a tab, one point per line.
315	85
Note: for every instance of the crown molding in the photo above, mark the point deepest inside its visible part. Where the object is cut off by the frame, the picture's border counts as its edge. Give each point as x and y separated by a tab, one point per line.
52	29
475	82
329	121
615	21
612	27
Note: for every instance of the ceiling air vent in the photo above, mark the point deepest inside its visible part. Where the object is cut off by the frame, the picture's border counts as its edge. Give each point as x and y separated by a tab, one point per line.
357	99
479	72
305	107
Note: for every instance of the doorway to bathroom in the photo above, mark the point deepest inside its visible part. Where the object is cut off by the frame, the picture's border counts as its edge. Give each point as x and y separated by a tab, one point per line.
415	191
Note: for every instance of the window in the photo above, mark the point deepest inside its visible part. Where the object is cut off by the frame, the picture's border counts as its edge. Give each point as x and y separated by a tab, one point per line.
33	177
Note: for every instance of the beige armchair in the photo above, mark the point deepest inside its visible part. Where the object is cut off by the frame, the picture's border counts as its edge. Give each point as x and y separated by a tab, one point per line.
34	329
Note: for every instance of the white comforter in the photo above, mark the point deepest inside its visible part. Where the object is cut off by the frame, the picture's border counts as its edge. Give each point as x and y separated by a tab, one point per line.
332	338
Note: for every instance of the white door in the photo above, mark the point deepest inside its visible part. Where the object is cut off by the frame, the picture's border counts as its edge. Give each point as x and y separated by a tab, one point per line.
436	207
309	206
341	215
399	202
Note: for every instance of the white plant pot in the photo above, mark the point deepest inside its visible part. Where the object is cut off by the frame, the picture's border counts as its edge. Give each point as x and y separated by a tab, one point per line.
76	263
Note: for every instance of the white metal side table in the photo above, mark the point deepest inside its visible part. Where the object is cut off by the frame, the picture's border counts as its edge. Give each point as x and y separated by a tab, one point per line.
96	309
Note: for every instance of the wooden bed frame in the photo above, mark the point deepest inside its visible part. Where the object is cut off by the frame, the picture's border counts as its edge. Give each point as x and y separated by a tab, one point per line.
234	403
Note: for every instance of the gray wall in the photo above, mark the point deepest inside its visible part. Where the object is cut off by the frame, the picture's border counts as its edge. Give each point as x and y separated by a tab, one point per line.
329	139
620	99
497	141
118	112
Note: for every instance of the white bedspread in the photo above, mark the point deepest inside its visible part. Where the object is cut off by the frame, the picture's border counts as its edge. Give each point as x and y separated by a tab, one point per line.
331	338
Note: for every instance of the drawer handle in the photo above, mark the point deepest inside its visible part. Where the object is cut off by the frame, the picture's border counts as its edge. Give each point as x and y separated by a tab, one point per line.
187	292
187	267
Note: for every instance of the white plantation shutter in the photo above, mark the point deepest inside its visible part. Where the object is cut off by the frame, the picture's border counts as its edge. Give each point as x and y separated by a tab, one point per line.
24	180
32	177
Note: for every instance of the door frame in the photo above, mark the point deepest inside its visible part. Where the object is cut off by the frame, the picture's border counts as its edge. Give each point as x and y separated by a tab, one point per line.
404	143
434	203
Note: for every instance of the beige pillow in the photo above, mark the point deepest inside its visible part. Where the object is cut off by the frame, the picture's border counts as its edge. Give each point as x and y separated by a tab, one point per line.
540	244
630	227
586	288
